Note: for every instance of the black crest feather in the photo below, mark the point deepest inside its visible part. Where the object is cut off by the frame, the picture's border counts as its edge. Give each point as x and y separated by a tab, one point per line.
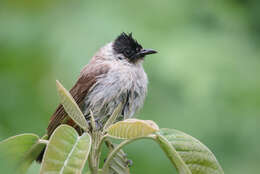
126	45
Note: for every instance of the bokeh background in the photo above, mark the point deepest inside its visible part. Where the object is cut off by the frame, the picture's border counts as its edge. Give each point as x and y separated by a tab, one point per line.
204	81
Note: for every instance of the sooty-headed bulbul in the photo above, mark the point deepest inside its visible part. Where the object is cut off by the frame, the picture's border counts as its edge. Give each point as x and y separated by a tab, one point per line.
114	75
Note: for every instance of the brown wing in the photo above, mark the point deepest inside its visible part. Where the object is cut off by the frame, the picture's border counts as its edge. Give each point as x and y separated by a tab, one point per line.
87	78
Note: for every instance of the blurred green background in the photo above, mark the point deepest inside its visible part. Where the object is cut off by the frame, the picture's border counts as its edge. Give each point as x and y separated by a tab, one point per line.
204	81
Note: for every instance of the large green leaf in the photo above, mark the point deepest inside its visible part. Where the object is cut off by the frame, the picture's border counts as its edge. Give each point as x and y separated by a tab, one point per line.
71	106
21	150
132	128
66	151
188	154
119	164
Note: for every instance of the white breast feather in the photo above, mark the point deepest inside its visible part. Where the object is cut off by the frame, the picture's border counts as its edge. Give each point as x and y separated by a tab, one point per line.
112	88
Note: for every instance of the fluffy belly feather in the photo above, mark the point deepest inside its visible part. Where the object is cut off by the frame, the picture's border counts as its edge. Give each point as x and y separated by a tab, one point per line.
118	86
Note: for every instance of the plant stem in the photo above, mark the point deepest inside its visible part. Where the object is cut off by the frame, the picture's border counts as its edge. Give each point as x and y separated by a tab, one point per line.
94	157
43	141
102	139
117	148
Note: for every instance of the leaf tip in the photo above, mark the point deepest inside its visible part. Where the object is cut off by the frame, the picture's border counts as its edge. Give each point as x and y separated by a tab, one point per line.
58	84
153	125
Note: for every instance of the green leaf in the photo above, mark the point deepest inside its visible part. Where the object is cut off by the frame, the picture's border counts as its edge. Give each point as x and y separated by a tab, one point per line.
114	116
132	128
66	151
188	154
119	164
21	150
71	107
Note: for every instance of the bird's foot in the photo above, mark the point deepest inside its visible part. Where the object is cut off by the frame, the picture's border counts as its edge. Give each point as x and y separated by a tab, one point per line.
98	124
129	163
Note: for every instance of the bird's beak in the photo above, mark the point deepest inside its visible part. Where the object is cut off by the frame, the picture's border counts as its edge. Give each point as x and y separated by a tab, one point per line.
145	52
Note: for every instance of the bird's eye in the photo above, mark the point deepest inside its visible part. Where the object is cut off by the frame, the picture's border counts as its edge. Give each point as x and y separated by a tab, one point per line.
127	52
120	57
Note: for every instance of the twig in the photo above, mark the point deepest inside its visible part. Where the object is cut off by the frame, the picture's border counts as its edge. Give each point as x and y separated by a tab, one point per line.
117	148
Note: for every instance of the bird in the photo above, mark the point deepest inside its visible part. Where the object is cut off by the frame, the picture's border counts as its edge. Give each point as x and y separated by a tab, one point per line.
114	75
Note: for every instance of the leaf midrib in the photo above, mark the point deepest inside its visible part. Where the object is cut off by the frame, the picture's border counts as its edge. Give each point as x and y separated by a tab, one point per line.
69	155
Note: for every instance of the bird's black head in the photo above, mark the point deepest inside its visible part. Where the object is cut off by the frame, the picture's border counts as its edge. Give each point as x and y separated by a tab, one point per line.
125	44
